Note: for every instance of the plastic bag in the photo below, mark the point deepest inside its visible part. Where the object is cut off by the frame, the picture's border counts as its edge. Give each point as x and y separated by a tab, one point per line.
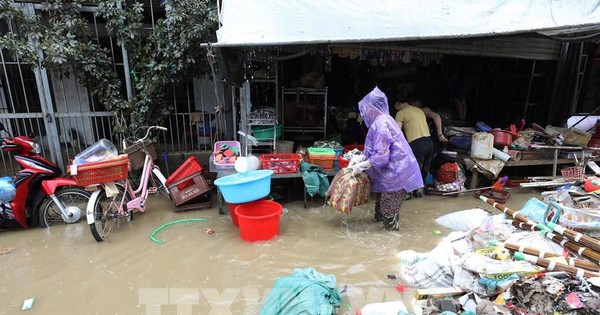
534	210
465	220
347	191
7	189
100	151
585	220
426	270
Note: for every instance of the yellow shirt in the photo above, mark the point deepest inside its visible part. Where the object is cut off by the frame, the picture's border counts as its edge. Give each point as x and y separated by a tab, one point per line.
414	123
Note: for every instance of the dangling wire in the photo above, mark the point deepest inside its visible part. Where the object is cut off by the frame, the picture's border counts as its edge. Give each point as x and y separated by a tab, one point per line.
220	108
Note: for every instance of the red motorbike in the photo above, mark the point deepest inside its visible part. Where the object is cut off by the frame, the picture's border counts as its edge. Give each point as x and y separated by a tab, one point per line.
40	195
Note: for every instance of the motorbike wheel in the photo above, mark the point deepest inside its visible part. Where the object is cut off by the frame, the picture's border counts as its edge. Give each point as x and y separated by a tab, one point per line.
159	182
73	198
106	212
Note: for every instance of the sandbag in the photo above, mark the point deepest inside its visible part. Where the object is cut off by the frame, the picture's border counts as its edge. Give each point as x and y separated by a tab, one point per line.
427	270
464	220
347	191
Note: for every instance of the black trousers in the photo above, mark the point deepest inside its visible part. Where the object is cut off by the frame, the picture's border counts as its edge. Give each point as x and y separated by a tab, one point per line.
423	150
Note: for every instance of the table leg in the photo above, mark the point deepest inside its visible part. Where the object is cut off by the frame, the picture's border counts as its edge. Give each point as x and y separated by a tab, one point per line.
304	186
554	162
474	179
220	197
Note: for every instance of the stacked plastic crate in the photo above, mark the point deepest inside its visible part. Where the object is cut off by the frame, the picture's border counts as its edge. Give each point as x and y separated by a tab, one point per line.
188	187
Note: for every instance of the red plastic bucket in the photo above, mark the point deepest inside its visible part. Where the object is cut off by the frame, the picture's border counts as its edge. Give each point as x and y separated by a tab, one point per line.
259	220
343	162
502	138
232	207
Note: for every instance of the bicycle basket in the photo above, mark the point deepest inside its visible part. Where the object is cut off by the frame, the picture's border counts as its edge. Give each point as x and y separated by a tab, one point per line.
101	172
136	154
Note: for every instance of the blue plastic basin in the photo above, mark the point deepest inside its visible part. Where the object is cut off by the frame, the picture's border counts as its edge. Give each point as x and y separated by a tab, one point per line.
245	187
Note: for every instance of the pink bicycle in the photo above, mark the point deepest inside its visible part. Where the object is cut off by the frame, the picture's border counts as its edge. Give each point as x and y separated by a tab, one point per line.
114	201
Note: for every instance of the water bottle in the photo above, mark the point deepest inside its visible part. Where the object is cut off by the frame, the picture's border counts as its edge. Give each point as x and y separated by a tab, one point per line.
99	151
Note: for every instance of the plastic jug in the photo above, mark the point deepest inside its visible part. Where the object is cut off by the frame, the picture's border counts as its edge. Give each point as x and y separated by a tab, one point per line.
99	151
481	146
245	164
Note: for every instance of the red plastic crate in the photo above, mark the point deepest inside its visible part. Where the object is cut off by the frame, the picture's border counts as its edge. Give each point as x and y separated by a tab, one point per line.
187	188
281	163
100	172
351	147
187	168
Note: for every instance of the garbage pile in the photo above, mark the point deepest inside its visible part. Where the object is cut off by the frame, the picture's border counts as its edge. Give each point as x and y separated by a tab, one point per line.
542	259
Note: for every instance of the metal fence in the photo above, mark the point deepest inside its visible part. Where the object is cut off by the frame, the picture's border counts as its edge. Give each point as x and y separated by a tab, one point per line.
65	118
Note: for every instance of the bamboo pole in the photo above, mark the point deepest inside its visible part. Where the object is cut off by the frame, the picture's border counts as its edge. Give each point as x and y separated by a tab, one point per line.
579	238
556	266
563	241
575	236
512	213
525	250
575	262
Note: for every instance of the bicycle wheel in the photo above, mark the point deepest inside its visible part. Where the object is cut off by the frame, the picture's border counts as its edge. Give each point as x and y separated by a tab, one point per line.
159	183
106	212
75	201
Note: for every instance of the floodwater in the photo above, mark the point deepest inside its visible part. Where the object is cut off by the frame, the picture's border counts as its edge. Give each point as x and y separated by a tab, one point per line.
67	272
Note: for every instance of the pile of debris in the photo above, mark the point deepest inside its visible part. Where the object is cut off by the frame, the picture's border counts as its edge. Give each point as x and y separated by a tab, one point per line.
543	259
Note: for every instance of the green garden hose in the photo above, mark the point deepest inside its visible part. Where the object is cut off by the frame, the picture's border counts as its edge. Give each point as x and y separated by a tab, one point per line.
170	223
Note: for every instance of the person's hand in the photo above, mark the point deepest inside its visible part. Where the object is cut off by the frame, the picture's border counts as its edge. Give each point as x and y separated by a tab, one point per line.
356	159
360	167
442	138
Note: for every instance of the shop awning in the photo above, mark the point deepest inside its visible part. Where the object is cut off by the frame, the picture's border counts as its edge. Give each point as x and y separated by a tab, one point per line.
276	22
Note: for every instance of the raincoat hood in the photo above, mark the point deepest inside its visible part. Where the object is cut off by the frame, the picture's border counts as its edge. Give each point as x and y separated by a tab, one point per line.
373	105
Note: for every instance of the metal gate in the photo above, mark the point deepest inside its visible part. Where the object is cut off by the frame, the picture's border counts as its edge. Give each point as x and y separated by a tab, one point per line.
66	118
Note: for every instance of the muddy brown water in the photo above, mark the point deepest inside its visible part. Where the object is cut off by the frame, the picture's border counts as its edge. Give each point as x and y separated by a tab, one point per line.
67	272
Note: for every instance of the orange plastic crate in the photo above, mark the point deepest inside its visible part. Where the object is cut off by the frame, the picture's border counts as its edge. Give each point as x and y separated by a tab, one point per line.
101	172
281	163
322	161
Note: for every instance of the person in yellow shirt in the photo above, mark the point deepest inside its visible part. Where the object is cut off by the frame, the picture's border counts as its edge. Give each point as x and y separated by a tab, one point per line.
413	122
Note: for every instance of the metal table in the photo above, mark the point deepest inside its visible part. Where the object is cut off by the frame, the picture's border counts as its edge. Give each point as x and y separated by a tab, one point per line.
328	172
555	161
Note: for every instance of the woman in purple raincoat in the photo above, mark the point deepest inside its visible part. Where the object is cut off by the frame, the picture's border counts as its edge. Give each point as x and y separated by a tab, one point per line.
389	162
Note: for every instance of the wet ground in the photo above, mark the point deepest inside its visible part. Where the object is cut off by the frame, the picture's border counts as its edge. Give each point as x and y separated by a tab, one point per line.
68	272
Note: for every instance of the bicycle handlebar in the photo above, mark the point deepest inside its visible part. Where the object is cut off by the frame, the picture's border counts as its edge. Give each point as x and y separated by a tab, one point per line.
148	132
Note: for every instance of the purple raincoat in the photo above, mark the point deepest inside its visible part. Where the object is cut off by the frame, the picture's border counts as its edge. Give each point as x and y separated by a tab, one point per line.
394	166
